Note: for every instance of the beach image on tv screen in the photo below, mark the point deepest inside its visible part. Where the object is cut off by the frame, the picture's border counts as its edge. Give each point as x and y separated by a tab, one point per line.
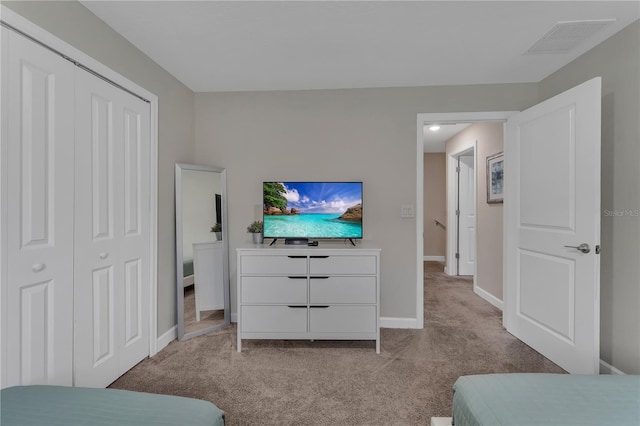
312	209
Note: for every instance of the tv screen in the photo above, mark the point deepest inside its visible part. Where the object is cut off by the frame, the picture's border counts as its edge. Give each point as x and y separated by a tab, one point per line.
312	209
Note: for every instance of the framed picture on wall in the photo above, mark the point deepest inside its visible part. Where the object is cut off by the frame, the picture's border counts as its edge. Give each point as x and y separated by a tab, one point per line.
495	178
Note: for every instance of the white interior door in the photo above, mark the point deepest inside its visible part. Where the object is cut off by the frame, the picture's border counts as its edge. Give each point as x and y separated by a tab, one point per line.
552	201
37	214
467	215
111	231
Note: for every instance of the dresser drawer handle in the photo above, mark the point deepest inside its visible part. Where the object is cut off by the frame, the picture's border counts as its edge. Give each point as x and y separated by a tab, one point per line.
297	278
319	278
297	306
297	257
319	306
319	257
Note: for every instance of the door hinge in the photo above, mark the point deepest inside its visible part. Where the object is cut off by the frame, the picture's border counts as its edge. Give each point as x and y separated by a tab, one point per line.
597	248
457	212
457	255
458	169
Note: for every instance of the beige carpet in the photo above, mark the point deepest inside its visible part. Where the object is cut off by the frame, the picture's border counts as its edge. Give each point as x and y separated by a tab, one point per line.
345	383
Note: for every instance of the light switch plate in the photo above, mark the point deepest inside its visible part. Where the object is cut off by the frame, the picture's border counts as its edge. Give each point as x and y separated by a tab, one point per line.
406	210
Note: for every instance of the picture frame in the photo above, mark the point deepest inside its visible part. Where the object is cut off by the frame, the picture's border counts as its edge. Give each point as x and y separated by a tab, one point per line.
495	178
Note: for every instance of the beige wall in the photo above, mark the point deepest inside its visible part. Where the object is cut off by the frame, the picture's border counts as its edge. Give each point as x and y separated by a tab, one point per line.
358	134
435	204
490	140
73	23
617	61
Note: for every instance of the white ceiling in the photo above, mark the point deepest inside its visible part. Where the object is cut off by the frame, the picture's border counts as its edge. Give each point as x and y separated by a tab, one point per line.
435	141
288	45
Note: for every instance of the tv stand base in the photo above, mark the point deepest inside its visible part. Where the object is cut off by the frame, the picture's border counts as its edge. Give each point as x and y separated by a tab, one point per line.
296	241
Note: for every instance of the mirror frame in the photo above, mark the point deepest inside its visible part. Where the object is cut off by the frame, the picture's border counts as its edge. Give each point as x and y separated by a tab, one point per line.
179	233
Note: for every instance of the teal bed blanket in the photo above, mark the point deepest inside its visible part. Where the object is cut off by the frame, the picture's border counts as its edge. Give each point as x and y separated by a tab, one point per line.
67	406
546	399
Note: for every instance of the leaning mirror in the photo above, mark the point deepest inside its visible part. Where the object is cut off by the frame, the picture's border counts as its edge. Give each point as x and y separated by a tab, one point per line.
202	256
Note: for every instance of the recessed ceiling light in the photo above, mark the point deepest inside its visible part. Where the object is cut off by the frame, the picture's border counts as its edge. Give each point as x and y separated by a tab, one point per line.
434	127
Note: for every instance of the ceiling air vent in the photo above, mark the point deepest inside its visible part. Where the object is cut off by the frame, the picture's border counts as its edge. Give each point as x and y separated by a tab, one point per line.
564	36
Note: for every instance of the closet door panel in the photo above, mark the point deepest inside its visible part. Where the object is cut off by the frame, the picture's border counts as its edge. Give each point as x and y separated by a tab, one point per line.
133	295
102	319
102	173
135	230
37	97
112	211
133	172
98	273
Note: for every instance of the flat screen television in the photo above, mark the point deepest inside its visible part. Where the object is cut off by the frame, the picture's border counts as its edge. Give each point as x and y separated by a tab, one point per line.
312	210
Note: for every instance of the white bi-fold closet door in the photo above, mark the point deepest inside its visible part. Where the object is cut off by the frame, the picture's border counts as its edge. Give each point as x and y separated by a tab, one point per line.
37	214
75	211
111	279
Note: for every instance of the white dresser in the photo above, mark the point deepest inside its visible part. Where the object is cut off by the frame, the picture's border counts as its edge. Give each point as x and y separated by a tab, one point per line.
208	276
308	293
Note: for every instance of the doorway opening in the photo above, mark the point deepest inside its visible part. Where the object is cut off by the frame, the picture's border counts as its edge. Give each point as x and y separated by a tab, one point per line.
447	119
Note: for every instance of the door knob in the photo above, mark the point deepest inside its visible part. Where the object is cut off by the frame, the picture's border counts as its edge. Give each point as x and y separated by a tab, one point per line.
38	267
584	247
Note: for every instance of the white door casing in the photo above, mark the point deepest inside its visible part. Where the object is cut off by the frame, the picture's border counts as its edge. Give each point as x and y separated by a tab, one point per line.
467	215
111	232
37	288
552	200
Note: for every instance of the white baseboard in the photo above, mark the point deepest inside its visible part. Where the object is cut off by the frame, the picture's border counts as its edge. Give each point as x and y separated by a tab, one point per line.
441	421
434	259
168	337
488	297
234	317
606	368
389	322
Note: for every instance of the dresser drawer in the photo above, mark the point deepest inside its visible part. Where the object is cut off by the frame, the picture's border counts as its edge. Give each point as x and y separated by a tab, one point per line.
343	319
281	290
342	290
274	319
336	265
276	265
